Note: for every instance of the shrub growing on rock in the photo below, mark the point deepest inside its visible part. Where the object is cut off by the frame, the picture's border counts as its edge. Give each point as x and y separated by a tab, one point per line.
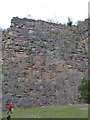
69	23
84	89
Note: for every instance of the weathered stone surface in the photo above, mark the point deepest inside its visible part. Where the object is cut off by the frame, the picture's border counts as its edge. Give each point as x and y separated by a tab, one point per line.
43	63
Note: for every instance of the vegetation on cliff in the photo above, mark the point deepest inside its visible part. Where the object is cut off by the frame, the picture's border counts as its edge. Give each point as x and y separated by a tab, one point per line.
84	88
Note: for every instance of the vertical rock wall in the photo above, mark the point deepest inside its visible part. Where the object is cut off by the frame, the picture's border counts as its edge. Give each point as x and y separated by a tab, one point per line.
43	63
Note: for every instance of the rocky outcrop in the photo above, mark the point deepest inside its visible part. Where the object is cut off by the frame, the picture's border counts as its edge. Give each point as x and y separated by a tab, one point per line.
43	63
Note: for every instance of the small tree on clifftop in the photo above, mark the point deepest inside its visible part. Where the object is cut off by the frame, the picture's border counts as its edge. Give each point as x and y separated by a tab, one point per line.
69	23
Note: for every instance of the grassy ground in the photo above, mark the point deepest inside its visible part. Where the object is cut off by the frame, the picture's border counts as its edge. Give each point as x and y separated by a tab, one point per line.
59	111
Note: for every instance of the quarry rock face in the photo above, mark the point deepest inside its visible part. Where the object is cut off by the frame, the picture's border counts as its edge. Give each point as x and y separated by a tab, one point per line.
43	63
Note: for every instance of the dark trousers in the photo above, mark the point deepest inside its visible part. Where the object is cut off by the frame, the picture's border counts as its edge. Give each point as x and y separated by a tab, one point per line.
9	110
8	117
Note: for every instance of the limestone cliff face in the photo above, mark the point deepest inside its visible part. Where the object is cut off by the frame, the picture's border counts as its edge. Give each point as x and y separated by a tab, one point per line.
43	63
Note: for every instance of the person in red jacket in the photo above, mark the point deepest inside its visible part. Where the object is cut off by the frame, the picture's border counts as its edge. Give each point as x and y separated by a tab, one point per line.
10	108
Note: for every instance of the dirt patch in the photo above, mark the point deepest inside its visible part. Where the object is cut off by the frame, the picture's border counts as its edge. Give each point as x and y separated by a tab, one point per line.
30	117
83	108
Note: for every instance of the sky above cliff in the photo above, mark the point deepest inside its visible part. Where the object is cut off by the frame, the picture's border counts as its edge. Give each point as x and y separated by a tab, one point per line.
58	10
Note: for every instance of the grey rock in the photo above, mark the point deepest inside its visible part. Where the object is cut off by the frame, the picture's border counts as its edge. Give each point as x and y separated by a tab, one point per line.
43	63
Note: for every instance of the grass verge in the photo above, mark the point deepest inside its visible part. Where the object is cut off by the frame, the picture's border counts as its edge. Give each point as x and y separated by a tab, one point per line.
58	111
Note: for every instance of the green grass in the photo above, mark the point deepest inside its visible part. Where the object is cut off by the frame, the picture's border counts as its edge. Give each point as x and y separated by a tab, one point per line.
58	111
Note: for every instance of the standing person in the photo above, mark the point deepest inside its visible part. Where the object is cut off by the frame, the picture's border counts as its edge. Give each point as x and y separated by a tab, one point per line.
10	108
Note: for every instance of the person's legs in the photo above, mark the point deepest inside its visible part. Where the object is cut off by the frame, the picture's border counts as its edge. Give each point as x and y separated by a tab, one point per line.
11	111
8	111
